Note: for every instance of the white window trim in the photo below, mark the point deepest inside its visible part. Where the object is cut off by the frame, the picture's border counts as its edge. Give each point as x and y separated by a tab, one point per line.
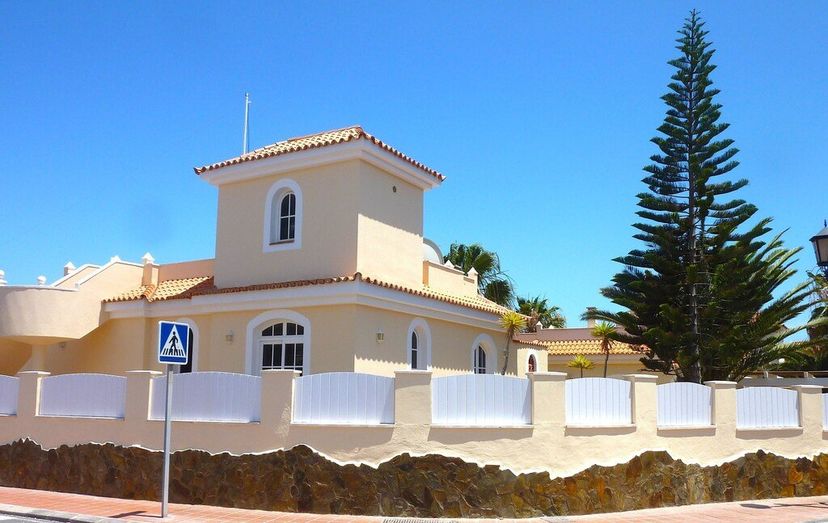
420	326
193	327
251	343
489	347
283	185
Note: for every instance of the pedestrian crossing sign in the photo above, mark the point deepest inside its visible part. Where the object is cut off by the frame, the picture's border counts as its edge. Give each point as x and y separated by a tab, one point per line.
173	340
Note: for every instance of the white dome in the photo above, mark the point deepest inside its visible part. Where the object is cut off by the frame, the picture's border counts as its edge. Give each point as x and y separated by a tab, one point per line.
431	252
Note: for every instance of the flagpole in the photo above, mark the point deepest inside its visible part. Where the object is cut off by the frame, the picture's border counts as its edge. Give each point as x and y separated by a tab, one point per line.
246	123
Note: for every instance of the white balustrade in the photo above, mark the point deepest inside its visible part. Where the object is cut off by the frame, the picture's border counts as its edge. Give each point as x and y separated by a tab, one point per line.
684	405
766	407
480	400
343	398
83	396
598	402
209	396
9	386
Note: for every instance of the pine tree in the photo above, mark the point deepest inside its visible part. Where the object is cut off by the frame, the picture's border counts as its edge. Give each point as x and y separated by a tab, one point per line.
699	295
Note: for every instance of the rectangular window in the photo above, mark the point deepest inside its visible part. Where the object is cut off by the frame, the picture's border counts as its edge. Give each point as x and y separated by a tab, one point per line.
267	356
413	359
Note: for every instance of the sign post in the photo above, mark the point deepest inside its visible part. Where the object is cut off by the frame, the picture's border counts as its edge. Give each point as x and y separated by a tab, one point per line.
173	340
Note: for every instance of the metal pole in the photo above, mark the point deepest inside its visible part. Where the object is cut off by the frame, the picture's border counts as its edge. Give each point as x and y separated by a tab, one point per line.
165	494
246	122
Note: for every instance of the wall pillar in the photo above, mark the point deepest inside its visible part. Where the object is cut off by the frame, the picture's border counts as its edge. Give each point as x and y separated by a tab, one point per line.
723	408
28	395
37	361
644	400
277	399
548	398
412	397
810	410
139	395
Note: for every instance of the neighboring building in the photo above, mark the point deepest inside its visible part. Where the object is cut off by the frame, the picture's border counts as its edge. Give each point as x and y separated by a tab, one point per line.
564	344
320	265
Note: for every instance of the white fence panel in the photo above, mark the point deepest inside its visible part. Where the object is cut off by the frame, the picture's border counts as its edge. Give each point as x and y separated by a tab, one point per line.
598	402
481	400
83	396
684	405
9	385
343	398
209	396
761	407
825	411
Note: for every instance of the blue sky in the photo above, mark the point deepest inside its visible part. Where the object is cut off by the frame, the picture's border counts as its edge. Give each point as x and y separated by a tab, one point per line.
539	114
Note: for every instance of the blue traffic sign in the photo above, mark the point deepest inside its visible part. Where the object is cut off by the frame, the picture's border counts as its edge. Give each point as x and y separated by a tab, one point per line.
173	339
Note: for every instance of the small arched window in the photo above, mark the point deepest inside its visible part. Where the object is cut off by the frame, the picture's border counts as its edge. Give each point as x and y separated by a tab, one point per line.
283	217
414	349
287	218
479	360
533	364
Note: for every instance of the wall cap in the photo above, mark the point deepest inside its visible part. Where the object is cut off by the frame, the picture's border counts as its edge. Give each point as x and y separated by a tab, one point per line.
810	389
547	376
718	384
641	378
33	373
143	372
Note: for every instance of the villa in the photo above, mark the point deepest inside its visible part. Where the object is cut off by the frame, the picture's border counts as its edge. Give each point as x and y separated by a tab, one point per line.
320	265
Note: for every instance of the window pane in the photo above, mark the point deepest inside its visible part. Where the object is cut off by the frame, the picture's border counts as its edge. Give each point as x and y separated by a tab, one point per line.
414	340
291	329
292	204
268	331
284	228
277	356
285	205
267	356
290	349
414	358
481	357
300	330
300	355
291	227
277	329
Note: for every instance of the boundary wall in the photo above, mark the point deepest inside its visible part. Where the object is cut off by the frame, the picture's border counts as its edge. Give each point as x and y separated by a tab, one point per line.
548	443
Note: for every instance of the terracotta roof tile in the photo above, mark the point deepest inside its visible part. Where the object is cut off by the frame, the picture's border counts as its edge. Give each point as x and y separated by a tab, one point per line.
589	347
314	141
187	288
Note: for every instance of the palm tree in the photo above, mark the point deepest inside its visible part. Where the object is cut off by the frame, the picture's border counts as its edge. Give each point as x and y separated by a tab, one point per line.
582	363
539	312
605	332
513	323
492	282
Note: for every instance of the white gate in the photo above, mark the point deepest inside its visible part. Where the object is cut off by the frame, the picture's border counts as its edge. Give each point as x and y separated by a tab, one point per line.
480	400
209	396
343	398
9	385
684	405
83	396
766	407
598	402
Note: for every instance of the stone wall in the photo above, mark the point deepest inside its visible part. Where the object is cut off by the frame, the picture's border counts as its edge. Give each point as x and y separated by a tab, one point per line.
300	480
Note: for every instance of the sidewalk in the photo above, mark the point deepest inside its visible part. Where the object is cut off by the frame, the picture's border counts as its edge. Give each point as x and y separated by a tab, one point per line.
61	507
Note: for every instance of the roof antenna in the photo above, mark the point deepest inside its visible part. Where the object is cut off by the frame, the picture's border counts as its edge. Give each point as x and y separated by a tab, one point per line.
246	123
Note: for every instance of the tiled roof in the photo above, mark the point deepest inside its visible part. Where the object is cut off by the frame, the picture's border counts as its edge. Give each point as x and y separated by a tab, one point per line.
187	288
314	141
570	342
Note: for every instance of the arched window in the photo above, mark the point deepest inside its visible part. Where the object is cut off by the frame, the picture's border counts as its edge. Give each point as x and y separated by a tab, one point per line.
287	218
283	217
533	364
282	346
479	360
414	349
419	345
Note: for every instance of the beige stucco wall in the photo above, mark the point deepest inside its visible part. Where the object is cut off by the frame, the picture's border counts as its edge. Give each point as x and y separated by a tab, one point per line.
329	228
390	227
448	280
618	365
555	447
13	356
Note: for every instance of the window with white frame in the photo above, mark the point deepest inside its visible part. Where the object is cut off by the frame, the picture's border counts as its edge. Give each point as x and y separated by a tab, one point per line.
415	350
282	346
283	217
479	360
286	228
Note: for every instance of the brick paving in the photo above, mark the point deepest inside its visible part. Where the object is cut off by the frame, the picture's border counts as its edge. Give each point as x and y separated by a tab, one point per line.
23	501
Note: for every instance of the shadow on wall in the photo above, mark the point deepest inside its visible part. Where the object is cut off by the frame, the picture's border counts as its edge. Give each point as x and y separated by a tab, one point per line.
458	435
